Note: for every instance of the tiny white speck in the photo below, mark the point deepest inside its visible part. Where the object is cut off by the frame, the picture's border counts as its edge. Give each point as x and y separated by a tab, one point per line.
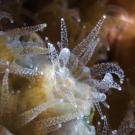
121	81
82	115
119	88
62	19
46	38
44	25
108	106
103	117
99	123
104	16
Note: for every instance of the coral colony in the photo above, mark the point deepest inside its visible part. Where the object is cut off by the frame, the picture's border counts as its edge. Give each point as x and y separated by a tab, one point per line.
70	90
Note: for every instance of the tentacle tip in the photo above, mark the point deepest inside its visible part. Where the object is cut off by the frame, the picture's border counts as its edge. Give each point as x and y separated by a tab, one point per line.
120	89
44	25
62	19
121	81
108	106
103	117
104	16
46	38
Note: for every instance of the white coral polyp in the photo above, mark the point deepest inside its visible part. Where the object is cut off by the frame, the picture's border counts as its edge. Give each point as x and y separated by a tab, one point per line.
74	89
84	94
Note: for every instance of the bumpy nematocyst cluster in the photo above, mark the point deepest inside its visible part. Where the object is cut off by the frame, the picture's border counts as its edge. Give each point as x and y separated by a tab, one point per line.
58	91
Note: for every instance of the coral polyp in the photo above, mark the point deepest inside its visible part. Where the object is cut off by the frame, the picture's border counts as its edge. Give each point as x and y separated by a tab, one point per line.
59	90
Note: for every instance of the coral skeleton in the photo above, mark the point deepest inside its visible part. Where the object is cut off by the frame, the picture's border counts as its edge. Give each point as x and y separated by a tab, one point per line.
62	90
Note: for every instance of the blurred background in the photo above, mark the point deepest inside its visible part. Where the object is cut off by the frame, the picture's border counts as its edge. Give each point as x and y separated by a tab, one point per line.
117	38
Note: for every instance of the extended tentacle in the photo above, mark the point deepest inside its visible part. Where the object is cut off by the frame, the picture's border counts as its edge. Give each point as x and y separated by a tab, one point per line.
53	54
103	68
103	118
73	63
28	116
29	50
105	126
64	57
26	72
4	65
5	88
4	98
49	122
84	45
64	38
105	84
26	48
26	30
85	58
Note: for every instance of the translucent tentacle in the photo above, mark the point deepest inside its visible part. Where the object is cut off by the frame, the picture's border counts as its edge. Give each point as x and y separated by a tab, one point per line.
24	48
26	30
103	117
97	105
19	70
4	65
32	50
105	84
5	88
98	97
108	80
53	54
64	38
103	68
84	45
64	56
105	126
31	114
49	122
85	58
73	63
4	98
